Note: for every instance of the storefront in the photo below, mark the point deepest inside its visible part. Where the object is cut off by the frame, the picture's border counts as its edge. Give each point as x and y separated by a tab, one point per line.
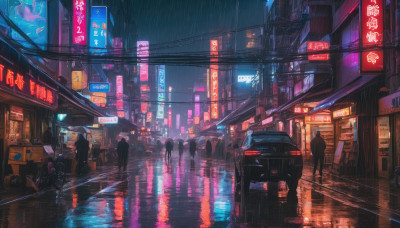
27	109
388	124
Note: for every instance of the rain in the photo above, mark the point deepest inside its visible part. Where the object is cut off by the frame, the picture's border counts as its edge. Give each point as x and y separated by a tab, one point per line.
211	113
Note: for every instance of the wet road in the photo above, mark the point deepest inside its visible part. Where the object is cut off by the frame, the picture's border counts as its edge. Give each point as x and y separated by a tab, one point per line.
200	193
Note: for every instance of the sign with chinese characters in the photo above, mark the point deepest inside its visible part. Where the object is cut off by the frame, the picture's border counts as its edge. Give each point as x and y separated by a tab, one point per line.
79	80
341	112
298	109
108	120
267	120
197	105
79	22
26	86
316	46
372	35
119	92
214	79
161	92
99	87
318	119
98	28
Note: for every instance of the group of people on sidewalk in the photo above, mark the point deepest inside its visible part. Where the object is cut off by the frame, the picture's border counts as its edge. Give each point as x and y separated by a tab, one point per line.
169	146
82	151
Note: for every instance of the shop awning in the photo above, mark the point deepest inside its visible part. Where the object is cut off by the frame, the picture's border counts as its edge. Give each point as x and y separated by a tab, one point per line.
245	108
316	91
347	90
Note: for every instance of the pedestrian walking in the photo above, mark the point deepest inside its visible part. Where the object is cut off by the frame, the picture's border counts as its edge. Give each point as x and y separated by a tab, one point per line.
122	150
82	150
180	147
192	148
208	148
168	148
318	151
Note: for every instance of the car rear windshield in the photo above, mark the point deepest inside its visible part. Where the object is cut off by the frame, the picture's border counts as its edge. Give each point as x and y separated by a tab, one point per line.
272	139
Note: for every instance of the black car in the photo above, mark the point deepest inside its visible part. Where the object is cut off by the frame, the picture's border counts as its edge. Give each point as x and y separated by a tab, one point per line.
268	156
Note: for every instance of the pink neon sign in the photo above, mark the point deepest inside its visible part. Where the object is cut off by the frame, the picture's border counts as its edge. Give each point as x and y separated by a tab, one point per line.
79	22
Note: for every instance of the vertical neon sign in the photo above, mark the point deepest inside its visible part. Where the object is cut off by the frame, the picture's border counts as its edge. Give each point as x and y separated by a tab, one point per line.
119	92
170	118
161	92
79	23
214	79
372	35
196	105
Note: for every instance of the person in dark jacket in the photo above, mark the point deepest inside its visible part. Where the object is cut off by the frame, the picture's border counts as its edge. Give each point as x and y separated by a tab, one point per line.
122	150
180	146
318	150
208	148
192	148
168	148
82	149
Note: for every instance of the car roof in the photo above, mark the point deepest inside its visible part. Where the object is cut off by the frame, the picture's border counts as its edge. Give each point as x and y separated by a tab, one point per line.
269	133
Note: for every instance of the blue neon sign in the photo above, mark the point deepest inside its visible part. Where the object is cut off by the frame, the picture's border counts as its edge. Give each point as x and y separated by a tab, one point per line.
99	87
98	28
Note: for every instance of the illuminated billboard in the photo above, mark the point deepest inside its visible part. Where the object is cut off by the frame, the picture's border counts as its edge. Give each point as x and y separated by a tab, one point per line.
161	92
98	27
31	17
79	80
372	35
79	35
170	118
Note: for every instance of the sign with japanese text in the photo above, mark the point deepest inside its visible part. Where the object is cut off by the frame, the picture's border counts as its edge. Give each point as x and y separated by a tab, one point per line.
316	119
79	22
98	28
316	46
99	87
108	120
341	112
27	86
214	79
161	92
372	35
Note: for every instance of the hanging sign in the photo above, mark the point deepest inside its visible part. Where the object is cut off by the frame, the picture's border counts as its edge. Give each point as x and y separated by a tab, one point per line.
302	110
315	46
79	22
372	35
99	87
108	120
318	119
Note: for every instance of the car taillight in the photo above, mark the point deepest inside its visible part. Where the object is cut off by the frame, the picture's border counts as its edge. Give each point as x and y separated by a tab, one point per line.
252	152
295	152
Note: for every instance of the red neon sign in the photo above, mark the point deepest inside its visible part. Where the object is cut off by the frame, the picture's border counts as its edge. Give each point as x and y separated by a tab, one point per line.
301	109
372	35
314	46
79	22
119	92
